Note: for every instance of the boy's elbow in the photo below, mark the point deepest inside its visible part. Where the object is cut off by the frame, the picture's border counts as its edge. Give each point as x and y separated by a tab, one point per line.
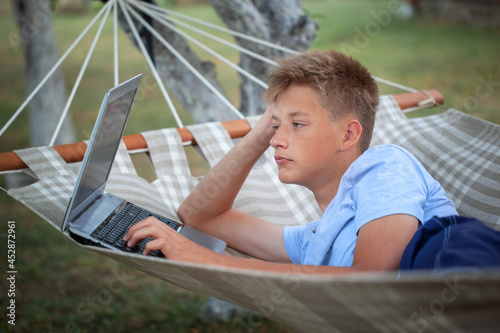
187	215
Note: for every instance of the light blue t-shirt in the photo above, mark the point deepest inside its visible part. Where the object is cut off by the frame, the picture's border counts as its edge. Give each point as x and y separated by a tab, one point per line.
384	180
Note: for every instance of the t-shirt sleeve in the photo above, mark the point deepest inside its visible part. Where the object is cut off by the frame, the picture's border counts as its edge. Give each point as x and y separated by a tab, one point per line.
392	183
297	239
293	237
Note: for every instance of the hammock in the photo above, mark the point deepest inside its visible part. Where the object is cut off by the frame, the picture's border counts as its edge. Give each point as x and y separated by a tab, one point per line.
460	151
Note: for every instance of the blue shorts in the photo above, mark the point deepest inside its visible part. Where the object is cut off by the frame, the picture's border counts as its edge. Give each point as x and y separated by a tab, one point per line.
453	241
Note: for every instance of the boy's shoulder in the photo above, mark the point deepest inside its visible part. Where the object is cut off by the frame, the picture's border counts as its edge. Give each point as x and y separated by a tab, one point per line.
384	157
388	150
386	166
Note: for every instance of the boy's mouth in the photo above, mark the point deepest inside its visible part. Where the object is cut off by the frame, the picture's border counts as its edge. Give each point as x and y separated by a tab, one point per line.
280	159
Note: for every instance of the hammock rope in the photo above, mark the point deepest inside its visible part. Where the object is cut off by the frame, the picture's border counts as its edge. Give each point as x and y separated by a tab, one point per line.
246	37
164	16
206	48
53	69
79	77
115	44
219	28
185	62
152	67
215	38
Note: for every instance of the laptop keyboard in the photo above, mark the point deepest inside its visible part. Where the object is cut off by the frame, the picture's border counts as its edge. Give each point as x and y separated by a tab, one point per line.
114	229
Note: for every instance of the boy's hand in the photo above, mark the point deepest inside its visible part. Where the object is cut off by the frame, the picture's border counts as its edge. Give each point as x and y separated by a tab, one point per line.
263	130
173	245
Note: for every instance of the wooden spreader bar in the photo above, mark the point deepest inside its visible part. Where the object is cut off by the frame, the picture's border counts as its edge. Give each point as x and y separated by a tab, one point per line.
74	152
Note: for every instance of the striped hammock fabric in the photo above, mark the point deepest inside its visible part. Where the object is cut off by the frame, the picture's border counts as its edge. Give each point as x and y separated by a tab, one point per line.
461	152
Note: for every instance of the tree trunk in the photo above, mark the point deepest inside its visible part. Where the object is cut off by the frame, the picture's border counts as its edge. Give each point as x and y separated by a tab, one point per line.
37	36
281	22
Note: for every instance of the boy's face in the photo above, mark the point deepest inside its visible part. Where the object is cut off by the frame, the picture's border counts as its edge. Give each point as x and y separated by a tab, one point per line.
307	143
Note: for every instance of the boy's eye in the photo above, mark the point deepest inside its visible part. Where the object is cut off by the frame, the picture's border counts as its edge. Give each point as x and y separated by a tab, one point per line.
275	127
297	125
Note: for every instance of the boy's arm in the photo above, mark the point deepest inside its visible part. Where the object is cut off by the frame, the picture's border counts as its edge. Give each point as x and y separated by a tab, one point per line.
216	192
379	247
381	242
209	206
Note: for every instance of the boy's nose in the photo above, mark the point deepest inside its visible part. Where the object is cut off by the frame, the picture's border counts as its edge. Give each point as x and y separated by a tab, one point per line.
279	139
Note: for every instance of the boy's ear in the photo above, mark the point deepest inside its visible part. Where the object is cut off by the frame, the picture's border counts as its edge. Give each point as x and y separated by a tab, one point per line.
352	132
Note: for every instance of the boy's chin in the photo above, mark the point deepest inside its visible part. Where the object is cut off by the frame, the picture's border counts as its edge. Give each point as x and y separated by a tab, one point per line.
286	179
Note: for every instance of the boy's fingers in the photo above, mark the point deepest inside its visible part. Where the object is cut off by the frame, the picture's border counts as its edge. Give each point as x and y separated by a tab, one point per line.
134	237
146	222
156	244
149	227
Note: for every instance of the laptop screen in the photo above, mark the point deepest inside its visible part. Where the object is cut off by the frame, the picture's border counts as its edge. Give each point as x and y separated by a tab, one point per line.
102	148
95	172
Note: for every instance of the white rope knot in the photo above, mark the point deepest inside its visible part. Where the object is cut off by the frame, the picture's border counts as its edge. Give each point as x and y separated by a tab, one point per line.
427	103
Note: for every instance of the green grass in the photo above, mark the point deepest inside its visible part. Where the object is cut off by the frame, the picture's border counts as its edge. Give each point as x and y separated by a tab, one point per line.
56	277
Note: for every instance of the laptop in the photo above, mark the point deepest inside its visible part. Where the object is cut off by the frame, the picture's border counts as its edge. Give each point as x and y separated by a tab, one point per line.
94	217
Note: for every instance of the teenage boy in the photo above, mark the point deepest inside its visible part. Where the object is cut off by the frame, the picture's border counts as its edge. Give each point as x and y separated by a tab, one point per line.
319	120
